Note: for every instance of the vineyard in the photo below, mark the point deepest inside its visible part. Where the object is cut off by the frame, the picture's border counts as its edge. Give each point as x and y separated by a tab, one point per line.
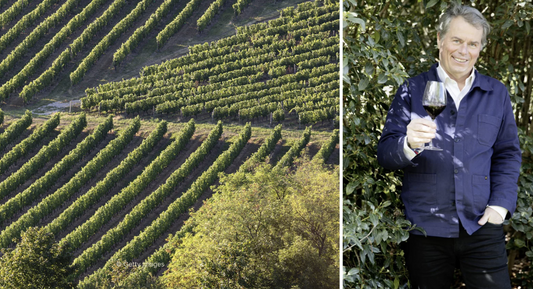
119	188
282	69
114	179
44	46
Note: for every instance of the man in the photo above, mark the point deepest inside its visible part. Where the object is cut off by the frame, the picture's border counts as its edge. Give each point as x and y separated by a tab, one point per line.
461	195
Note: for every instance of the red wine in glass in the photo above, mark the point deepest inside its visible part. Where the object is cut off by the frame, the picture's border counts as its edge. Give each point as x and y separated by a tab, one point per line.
434	102
434	110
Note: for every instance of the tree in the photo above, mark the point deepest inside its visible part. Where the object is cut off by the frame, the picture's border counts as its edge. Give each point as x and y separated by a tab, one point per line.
384	43
267	229
36	262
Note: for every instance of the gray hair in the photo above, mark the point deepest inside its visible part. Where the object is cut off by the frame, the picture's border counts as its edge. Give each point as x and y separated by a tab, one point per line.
470	14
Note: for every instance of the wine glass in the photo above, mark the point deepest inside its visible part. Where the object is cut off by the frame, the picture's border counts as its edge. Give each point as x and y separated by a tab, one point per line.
434	102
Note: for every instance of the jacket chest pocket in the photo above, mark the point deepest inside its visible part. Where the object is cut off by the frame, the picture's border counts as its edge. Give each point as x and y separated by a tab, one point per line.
488	127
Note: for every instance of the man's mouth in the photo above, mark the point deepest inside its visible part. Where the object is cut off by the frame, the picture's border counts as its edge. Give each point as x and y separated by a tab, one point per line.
460	60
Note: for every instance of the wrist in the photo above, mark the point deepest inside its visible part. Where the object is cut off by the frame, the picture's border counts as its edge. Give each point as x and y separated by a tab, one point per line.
416	150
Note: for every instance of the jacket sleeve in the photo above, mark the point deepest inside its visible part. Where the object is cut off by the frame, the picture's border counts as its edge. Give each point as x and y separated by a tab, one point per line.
391	144
505	162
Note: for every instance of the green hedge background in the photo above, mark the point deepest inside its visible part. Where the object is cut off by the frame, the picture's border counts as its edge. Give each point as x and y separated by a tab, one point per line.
385	42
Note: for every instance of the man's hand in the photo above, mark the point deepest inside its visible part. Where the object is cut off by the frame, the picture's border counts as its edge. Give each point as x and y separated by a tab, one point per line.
490	216
420	131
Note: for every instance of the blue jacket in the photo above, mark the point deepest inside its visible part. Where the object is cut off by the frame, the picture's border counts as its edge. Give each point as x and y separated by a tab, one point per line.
479	164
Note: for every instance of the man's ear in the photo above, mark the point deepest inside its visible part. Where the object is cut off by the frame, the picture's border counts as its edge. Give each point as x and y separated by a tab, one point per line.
438	40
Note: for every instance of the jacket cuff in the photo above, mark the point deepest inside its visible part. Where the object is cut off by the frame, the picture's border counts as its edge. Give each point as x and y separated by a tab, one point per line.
501	210
408	151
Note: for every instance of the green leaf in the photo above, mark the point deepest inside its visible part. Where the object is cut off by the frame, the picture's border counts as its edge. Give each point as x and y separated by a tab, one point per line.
521	85
352	17
353	271
376	36
369	69
400	38
528	27
363	84
398	79
351	187
353	2
371	42
367	139
362	255
385	235
374	219
507	24
382	78
378	238
431	3
370	255
520	243
385	62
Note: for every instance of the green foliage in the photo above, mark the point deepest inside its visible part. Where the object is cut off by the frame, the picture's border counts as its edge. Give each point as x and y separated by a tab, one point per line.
287	64
114	147
264	150
278	115
39	186
240	5
46	153
295	149
177	23
36	262
104	213
209	14
384	43
108	40
142	31
326	149
266	229
123	276
15	129
520	227
26	145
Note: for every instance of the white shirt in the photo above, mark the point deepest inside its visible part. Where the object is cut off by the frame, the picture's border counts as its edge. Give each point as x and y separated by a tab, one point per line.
453	88
457	95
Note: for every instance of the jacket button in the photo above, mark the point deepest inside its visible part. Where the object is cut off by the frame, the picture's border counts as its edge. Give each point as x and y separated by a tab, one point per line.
452	112
456	171
457	139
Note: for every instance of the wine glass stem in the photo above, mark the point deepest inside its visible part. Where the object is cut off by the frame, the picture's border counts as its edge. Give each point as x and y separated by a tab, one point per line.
431	141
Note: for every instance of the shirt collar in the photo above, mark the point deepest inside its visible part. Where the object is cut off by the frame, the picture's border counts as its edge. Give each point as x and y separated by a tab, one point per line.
444	76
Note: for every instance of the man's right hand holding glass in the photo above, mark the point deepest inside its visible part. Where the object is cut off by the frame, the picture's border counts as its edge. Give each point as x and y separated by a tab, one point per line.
419	132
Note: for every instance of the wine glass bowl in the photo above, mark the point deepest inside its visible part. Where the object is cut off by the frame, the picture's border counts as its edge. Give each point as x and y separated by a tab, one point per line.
434	102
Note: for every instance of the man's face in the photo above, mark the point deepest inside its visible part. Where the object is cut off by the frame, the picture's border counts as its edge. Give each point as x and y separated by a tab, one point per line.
459	48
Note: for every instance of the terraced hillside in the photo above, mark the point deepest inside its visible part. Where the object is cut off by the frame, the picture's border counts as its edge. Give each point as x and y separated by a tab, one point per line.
55	44
286	68
116	177
121	187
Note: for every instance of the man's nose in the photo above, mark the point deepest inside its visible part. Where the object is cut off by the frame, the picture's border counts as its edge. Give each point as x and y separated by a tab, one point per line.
463	49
